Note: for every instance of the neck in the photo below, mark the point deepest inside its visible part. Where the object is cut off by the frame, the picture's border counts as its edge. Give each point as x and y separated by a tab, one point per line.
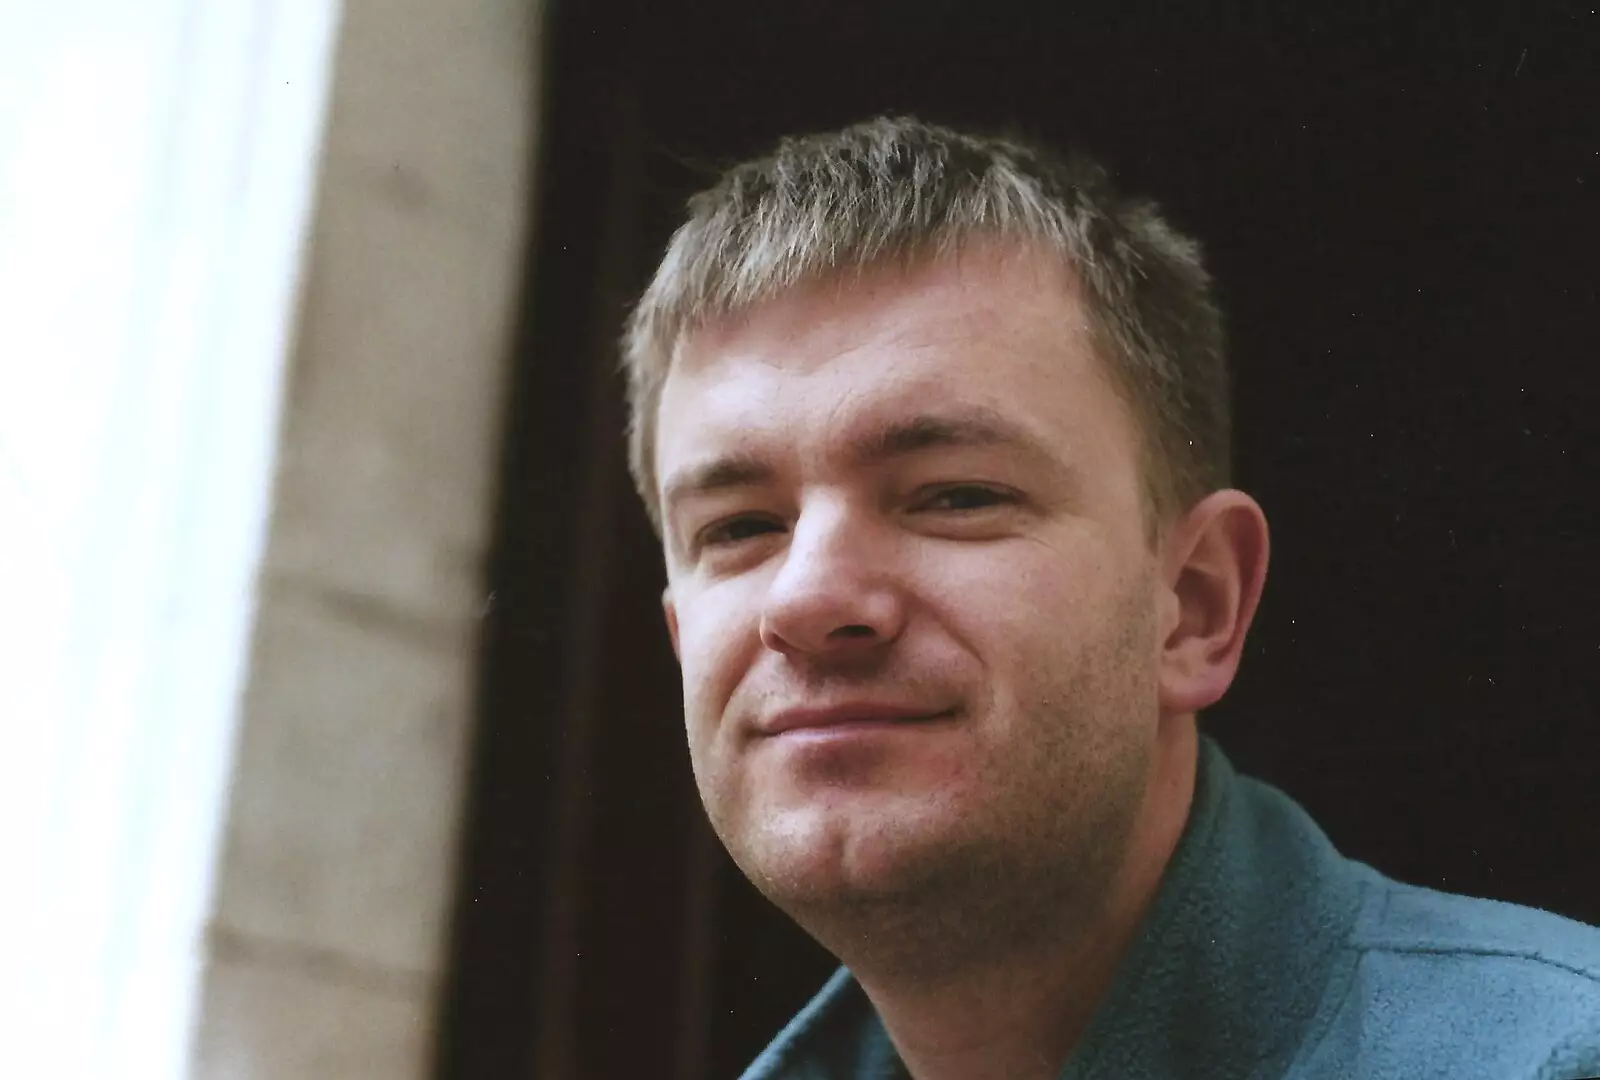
1019	1015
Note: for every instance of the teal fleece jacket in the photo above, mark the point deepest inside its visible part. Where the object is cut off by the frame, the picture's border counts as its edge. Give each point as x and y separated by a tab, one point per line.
1267	954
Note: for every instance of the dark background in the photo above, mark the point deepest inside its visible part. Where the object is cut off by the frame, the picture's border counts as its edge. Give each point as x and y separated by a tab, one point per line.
1401	211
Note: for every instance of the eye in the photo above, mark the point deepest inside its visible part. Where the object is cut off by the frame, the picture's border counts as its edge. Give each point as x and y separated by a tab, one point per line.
736	529
965	497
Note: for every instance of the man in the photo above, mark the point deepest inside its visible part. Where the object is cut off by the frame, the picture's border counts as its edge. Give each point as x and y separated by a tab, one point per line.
935	432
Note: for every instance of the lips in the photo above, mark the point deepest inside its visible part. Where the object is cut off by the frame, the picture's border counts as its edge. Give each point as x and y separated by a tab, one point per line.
848	714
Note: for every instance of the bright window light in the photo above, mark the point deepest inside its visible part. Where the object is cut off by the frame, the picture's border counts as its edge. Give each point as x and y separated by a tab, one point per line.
157	160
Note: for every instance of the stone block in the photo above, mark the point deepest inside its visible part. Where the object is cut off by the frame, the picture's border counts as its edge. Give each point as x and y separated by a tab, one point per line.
432	105
348	782
266	1021
394	409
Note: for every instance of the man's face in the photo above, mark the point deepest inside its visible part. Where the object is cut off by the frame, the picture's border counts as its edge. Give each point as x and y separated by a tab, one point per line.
909	586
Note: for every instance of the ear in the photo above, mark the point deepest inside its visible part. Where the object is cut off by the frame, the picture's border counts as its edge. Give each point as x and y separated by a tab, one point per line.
671	612
1215	566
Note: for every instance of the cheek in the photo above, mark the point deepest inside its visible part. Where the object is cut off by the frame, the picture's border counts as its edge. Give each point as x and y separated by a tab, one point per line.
1031	612
714	642
1010	589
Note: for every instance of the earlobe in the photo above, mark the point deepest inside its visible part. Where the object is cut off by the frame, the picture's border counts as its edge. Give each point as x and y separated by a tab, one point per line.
671	612
1217	567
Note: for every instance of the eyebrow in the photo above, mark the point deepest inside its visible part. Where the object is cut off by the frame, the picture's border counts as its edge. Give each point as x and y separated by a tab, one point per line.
972	426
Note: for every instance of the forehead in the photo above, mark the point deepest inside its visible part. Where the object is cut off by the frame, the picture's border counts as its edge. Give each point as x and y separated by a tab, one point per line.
1003	330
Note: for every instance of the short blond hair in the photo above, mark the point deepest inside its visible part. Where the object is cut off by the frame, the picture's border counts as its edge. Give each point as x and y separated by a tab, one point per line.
898	189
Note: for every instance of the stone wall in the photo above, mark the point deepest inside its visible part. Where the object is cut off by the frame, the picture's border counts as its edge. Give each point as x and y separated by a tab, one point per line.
326	941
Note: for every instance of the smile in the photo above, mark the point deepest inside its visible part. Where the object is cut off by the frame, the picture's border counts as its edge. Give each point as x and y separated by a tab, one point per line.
849	720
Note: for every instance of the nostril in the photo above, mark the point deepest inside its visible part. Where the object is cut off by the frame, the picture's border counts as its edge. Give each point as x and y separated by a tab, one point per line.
856	630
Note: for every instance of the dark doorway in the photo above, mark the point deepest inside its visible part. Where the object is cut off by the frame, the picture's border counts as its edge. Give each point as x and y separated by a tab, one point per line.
1401	210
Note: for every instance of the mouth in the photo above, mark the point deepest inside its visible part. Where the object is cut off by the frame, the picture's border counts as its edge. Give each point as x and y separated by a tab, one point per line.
849	719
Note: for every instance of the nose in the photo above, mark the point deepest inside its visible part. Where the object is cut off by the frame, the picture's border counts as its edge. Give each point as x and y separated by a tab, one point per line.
836	594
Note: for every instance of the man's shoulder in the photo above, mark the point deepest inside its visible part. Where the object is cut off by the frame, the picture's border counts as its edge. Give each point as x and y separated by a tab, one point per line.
1402	920
1481	987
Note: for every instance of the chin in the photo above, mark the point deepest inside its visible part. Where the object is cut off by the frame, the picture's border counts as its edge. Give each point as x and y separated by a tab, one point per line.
810	858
